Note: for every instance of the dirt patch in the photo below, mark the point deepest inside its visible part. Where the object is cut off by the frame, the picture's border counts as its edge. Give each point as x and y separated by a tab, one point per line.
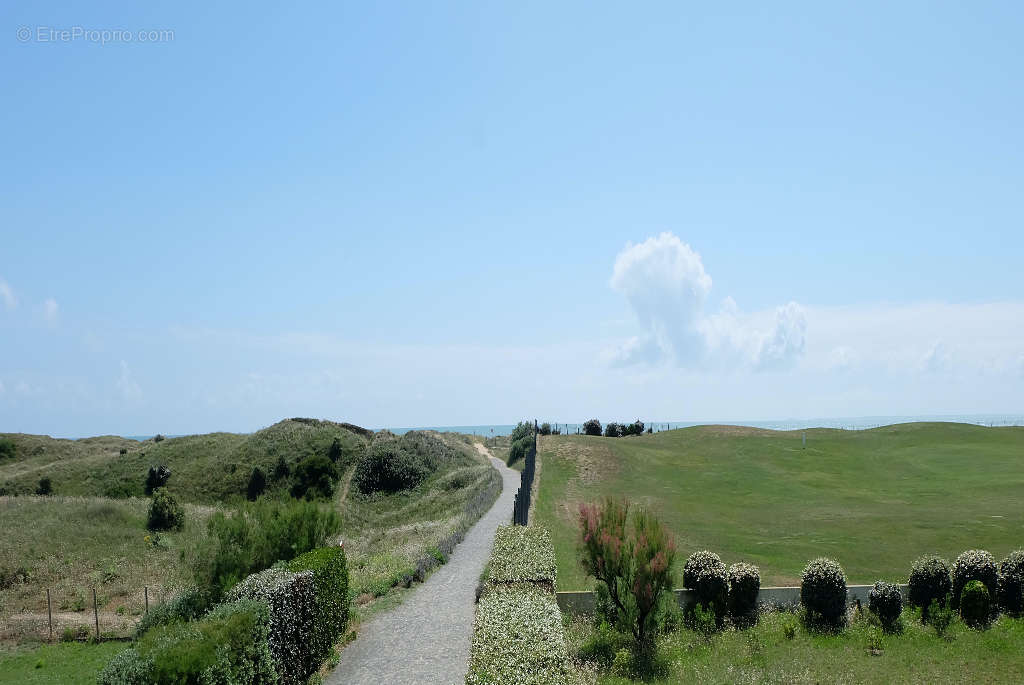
594	462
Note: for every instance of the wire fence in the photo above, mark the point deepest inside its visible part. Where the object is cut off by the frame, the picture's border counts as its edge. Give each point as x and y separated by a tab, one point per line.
521	508
80	615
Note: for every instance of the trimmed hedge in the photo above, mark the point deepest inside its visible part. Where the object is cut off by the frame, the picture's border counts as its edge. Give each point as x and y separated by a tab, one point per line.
291	599
518	637
823	592
744	586
1011	582
886	602
707	576
974	564
522	554
929	582
230	646
330	581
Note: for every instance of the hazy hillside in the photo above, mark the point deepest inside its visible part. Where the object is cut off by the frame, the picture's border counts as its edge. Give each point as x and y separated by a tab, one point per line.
204	468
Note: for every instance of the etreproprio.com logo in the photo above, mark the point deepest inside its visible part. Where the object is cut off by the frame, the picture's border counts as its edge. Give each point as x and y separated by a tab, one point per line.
102	36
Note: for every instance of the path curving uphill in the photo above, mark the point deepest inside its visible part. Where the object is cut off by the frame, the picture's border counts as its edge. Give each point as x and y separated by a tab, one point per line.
426	638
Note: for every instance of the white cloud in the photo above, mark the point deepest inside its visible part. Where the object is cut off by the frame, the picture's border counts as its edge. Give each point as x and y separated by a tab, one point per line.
937	359
842	357
665	283
126	384
50	310
7	295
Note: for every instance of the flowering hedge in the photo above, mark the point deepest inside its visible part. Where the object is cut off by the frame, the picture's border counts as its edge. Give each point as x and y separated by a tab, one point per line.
518	638
330	581
291	599
522	554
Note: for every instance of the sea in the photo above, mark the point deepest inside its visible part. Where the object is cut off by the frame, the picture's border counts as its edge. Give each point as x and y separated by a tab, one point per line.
845	423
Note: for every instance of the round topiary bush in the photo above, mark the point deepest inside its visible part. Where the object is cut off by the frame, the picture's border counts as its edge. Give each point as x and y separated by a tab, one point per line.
1011	582
707	576
975	604
823	592
164	512
886	602
929	581
744	584
974	564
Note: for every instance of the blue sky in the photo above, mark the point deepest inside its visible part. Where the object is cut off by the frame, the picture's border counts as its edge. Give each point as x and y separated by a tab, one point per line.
438	214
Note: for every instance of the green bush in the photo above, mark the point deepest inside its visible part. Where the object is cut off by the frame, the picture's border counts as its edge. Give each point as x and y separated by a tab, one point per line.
227	647
315	476
929	582
7	448
744	586
1011	582
974	564
45	486
886	602
164	512
520	442
522	554
823	593
330	581
592	427
707	576
388	467
255	537
939	614
545	428
291	598
975	604
612	430
187	606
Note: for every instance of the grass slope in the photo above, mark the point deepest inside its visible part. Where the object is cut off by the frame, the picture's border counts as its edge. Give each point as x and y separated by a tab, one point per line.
204	468
74	544
71	663
873	499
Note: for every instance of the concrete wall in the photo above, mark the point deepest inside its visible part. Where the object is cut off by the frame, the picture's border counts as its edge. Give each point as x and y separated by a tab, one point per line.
585	602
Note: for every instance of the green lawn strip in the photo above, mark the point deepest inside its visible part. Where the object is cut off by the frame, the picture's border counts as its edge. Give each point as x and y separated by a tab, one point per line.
860	654
70	663
874	500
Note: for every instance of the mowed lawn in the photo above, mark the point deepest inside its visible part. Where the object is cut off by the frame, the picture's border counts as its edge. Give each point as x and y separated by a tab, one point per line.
874	499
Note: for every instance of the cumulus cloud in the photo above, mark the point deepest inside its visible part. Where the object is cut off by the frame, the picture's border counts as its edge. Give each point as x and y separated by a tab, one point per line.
127	386
50	310
7	295
664	281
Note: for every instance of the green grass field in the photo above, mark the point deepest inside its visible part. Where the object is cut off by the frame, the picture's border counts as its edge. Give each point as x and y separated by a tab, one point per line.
71	663
874	499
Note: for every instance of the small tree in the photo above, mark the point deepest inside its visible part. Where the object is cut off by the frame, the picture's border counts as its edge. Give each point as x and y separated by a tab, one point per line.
334	451
634	564
281	469
157	477
165	513
7	448
45	486
612	430
257	484
545	428
592	427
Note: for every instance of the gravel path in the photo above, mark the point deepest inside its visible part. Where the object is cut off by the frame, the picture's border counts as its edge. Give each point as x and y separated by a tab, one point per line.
426	638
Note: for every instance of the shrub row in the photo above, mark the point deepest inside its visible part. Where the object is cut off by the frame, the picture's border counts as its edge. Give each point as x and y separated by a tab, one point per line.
518	635
330	583
722	590
291	599
229	646
522	554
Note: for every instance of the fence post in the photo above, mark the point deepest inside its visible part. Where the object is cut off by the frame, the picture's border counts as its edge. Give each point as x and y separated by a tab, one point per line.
96	613
146	590
49	613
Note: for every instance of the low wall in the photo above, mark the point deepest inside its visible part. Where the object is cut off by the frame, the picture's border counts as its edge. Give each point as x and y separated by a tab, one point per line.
585	602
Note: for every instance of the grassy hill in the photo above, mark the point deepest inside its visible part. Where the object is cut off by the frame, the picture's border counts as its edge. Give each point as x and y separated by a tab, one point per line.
204	468
873	499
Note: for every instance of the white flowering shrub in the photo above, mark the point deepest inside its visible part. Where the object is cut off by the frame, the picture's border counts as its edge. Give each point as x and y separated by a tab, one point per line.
522	554
744	586
1011	582
823	593
518	638
291	598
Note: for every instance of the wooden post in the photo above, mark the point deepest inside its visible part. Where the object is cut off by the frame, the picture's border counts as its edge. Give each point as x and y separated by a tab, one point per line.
146	590
49	613
96	613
